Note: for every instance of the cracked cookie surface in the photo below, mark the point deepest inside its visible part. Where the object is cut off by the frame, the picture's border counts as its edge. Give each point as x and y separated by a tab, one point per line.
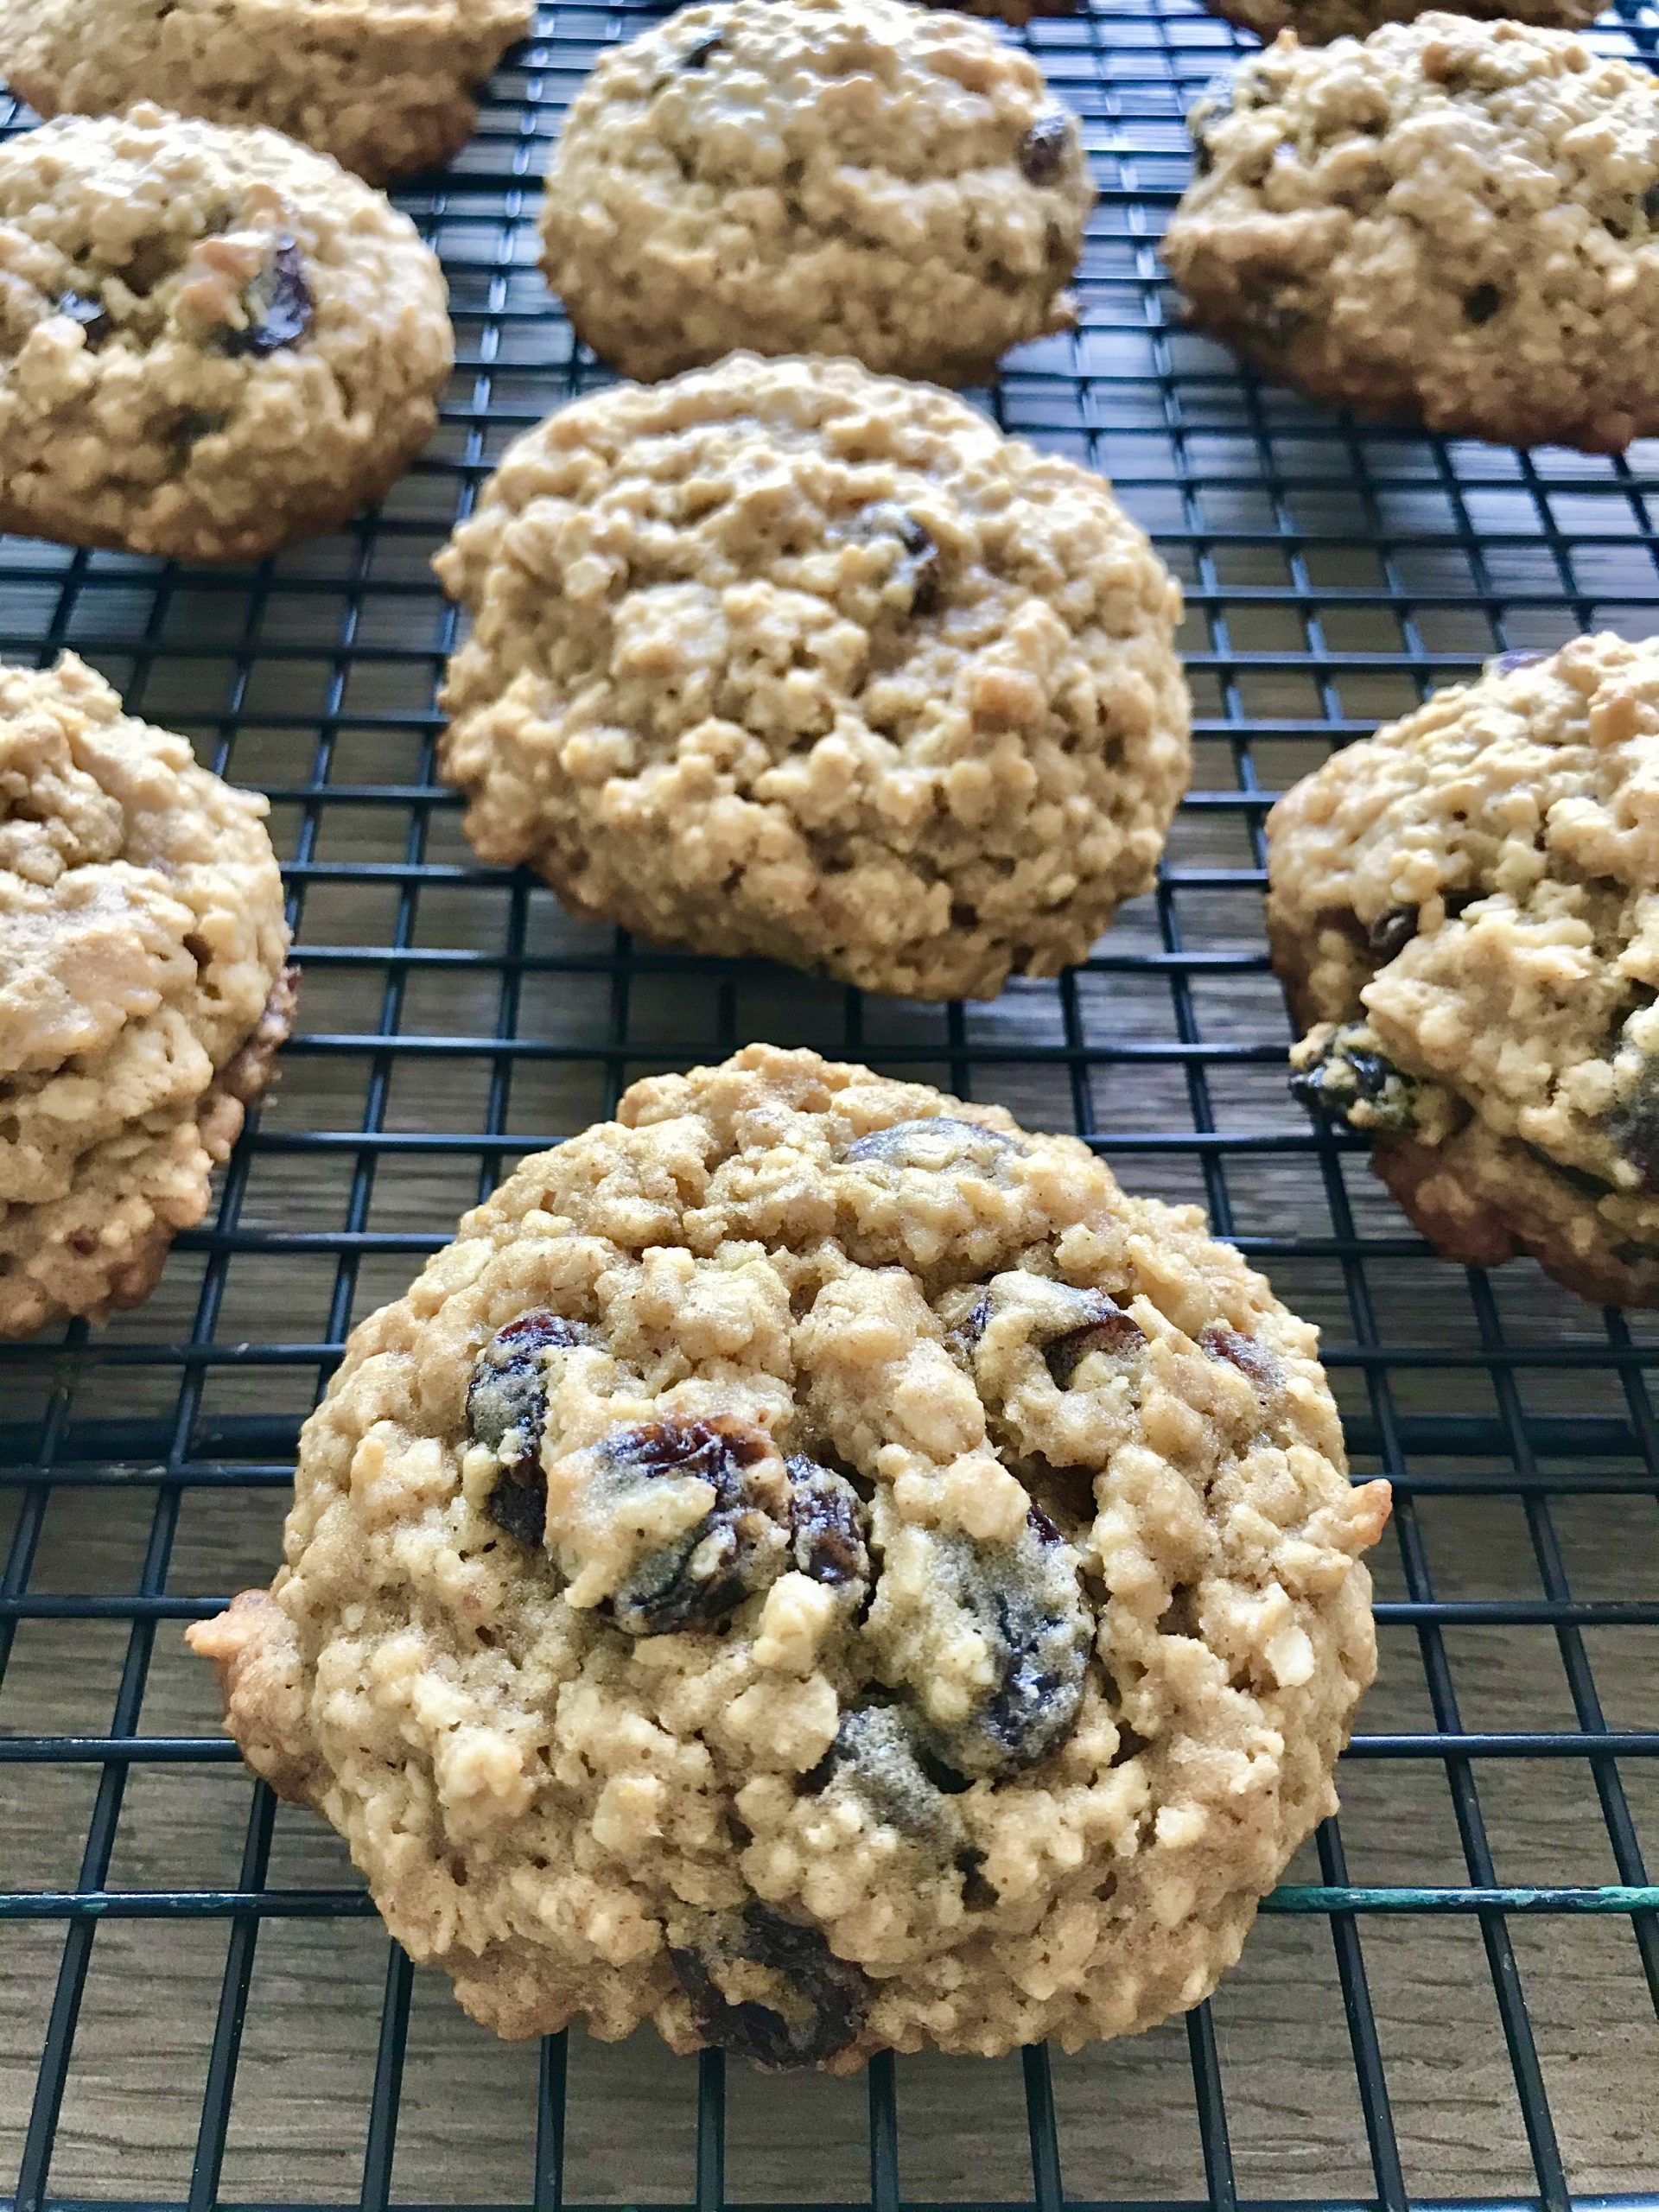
1463	909
383	85
815	176
819	1568
1453	222
142	991
212	340
782	658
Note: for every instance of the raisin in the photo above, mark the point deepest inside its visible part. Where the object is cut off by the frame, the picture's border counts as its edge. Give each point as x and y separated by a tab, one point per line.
829	1997
736	1548
1506	664
879	1757
507	1411
1109	1329
1482	304
939	1141
963	1341
1391	932
1042	150
827	1528
90	312
1347	1074
278	304
918	570
1633	1129
518	1503
1249	1354
702	51
1024	1599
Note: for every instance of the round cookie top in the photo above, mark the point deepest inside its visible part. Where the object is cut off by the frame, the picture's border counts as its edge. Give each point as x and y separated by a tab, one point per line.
1474	889
211	338
784	658
1316	22
142	940
383	85
815	176
1453	220
819	1567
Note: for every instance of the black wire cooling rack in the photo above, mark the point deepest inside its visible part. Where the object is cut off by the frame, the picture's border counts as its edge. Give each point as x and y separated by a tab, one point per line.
1453	1997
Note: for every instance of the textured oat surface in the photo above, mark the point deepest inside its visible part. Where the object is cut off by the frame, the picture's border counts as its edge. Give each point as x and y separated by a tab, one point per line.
1453	221
1469	899
815	176
1316	22
211	340
784	658
141	990
383	85
817	1567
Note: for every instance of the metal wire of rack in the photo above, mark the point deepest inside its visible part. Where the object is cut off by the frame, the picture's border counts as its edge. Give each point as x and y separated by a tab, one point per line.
1408	2023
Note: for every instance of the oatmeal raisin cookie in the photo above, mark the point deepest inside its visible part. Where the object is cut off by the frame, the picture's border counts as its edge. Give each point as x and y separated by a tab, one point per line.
817	1567
1453	222
815	176
212	341
142	991
1465	910
383	85
784	658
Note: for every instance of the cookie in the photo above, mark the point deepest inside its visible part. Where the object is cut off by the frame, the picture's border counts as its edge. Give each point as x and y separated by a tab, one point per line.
144	991
818	1568
383	85
1453	222
815	176
787	659
1463	912
212	341
1318	21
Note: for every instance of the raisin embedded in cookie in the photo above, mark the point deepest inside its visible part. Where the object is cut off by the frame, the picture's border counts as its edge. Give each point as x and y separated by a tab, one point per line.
815	176
142	991
817	1567
383	85
1453	222
1463	910
212	341
786	659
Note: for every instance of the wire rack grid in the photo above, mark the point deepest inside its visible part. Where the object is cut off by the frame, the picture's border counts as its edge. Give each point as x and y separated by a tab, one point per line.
1453	1996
